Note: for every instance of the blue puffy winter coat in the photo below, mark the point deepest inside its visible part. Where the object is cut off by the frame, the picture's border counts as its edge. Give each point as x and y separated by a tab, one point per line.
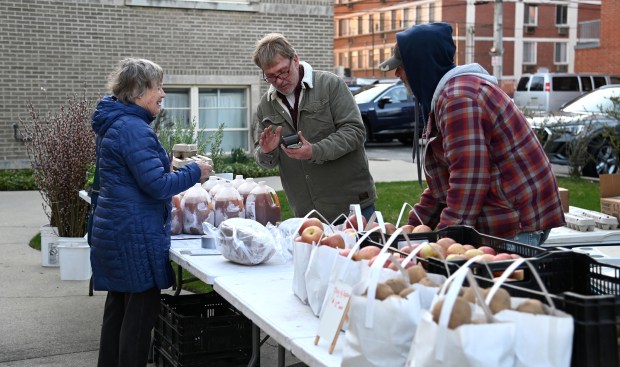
130	237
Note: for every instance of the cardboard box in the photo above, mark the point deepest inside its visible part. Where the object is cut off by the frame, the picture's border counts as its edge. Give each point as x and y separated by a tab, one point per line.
564	199
610	194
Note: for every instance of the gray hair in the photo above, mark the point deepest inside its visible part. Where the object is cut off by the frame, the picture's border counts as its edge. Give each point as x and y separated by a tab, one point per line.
133	77
269	47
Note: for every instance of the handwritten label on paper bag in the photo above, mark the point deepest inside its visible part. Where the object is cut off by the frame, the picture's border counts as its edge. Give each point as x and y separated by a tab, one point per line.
334	313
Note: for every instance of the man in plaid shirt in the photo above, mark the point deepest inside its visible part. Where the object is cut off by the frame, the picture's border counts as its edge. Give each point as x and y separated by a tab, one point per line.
484	165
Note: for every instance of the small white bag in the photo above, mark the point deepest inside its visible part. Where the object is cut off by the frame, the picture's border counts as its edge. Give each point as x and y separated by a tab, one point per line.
301	258
379	333
489	344
541	340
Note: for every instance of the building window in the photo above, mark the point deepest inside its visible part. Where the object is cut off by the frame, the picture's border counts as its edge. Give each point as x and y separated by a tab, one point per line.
213	106
431	12
529	53
176	105
406	17
418	14
381	22
560	56
375	58
395	19
530	15
343	27
360	25
561	14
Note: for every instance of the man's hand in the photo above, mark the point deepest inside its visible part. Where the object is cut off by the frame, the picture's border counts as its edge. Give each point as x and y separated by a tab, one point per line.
269	139
303	153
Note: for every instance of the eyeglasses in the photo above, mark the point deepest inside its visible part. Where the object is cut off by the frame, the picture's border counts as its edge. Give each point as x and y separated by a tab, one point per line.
283	75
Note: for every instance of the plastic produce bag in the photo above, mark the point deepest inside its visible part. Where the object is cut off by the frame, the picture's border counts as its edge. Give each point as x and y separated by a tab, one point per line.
245	241
176	223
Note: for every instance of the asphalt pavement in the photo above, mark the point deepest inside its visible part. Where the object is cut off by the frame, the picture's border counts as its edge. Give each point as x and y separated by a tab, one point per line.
48	322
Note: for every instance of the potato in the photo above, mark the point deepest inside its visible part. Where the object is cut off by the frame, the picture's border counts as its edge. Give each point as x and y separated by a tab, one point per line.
461	313
416	273
532	306
397	284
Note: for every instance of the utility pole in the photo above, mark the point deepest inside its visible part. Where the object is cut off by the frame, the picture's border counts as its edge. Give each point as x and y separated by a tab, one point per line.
497	52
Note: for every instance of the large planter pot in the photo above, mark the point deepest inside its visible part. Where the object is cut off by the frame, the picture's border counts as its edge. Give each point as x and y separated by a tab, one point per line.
49	243
74	258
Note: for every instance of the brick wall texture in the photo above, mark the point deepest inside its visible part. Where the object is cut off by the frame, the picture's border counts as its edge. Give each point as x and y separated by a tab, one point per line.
605	58
50	50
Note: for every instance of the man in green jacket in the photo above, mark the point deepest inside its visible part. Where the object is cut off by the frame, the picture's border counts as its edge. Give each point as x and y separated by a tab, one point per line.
327	169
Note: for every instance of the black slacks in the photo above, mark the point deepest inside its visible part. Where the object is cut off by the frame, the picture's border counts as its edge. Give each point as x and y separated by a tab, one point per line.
128	320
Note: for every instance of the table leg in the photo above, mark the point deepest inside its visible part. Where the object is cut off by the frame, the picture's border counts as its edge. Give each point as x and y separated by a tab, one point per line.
255	346
179	280
281	356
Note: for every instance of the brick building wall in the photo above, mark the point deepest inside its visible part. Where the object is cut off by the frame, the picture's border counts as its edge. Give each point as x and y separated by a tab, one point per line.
52	49
603	59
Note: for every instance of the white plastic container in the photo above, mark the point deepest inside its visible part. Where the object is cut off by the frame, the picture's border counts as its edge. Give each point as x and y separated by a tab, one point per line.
49	243
74	256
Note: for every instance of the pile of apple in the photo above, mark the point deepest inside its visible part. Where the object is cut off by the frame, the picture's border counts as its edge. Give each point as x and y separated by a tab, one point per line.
312	231
447	248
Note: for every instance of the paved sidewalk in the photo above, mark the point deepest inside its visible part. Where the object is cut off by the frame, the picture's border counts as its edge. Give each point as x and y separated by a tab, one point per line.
48	322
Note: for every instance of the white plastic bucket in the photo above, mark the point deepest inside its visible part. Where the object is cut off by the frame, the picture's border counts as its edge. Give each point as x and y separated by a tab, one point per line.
74	256
49	243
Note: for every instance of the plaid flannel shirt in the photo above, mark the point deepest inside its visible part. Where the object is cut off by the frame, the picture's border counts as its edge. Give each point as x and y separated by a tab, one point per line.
484	165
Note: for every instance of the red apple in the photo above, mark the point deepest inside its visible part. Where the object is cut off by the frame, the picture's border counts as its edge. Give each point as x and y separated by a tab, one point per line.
456	257
312	234
502	257
308	222
351	222
445	242
486	258
428	251
344	252
518	275
422	228
407	228
472	253
455	249
515	256
334	240
487	250
389	228
440	250
367	253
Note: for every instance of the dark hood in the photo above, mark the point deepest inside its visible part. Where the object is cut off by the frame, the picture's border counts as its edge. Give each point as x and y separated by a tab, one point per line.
427	51
110	109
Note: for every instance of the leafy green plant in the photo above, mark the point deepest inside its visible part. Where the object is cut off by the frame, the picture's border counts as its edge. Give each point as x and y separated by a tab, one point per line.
214	142
16	180
174	132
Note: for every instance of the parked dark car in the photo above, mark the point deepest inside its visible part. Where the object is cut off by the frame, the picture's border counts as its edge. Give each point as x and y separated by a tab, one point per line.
586	130
388	112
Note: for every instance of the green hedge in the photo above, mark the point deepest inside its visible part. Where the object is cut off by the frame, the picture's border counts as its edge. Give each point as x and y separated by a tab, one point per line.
16	180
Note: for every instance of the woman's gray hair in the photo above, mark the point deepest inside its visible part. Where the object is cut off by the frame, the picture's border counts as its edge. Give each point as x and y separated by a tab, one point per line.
269	47
133	77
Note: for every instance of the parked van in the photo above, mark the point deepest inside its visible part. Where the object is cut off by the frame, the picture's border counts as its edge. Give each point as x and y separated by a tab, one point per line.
545	92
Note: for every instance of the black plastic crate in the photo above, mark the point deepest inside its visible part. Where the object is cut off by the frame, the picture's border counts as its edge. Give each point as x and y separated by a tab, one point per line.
201	323
163	359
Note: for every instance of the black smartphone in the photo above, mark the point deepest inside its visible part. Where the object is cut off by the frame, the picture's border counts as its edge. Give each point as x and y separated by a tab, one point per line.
291	141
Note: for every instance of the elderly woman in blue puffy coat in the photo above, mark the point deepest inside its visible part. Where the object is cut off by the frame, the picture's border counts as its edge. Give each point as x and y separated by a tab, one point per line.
130	237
